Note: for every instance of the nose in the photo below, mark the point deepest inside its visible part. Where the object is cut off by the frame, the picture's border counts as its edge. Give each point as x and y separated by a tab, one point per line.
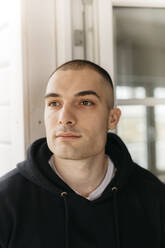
66	116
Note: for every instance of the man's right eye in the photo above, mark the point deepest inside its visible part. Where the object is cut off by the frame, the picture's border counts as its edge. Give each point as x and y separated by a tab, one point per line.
53	104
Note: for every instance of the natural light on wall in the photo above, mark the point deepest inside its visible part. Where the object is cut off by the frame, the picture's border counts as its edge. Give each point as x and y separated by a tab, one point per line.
11	103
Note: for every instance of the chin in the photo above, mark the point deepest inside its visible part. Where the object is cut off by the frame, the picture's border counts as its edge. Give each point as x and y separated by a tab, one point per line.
64	153
67	157
69	154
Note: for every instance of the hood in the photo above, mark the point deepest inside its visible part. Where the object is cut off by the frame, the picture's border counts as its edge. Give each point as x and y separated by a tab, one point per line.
37	169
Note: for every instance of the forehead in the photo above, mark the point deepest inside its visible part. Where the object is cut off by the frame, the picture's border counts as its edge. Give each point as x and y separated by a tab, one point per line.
76	80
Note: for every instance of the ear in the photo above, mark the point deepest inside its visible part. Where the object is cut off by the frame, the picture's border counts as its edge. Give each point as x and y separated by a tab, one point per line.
114	117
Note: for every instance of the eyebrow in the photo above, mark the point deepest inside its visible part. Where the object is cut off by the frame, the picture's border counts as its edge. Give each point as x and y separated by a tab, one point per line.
81	93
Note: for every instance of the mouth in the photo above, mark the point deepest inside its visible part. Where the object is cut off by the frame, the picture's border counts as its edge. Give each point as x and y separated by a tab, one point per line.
67	136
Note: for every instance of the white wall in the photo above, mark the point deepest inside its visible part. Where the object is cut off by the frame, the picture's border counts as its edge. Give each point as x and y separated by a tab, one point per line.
39	50
11	110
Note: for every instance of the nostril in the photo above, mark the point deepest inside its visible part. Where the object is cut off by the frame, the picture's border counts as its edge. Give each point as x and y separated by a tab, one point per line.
66	122
69	122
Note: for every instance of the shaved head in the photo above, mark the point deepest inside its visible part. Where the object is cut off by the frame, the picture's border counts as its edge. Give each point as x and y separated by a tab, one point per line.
105	78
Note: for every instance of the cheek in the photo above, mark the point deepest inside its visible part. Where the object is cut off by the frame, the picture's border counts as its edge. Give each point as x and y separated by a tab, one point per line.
50	121
95	127
98	121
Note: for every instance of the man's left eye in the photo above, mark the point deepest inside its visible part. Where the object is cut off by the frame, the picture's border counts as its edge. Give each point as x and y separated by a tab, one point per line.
87	103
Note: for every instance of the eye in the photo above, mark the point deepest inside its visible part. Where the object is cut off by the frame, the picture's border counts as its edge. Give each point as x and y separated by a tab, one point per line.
53	104
87	103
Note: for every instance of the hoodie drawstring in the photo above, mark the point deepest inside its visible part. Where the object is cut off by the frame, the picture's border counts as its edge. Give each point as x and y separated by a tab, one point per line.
114	191
64	194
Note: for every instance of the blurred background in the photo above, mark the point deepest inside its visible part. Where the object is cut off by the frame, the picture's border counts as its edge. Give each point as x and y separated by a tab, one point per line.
127	38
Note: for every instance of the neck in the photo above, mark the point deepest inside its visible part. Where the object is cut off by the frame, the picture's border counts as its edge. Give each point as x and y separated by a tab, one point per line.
83	176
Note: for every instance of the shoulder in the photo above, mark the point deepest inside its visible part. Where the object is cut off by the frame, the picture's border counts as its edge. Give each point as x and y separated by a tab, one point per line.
11	183
8	179
147	182
8	195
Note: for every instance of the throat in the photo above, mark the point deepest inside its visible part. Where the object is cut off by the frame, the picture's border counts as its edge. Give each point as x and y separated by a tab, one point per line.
83	179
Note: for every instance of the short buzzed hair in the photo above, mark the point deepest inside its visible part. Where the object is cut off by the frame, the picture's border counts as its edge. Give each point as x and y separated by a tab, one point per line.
79	64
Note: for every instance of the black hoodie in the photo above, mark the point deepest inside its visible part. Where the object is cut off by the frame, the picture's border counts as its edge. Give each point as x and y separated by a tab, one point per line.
39	210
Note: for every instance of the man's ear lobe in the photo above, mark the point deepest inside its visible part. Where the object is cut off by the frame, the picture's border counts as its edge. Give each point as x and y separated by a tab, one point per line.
114	117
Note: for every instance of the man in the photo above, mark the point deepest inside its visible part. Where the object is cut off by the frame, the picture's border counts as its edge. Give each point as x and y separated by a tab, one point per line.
79	187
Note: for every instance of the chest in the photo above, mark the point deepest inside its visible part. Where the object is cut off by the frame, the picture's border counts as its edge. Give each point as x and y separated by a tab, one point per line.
45	224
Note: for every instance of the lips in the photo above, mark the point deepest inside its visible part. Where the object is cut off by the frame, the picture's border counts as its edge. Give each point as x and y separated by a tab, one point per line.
69	135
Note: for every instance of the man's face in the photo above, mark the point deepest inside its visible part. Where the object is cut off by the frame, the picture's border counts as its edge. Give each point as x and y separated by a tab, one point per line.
76	103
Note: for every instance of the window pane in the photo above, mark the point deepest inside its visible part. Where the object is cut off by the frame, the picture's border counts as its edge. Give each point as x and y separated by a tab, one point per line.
142	129
159	92
139	41
132	129
124	92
